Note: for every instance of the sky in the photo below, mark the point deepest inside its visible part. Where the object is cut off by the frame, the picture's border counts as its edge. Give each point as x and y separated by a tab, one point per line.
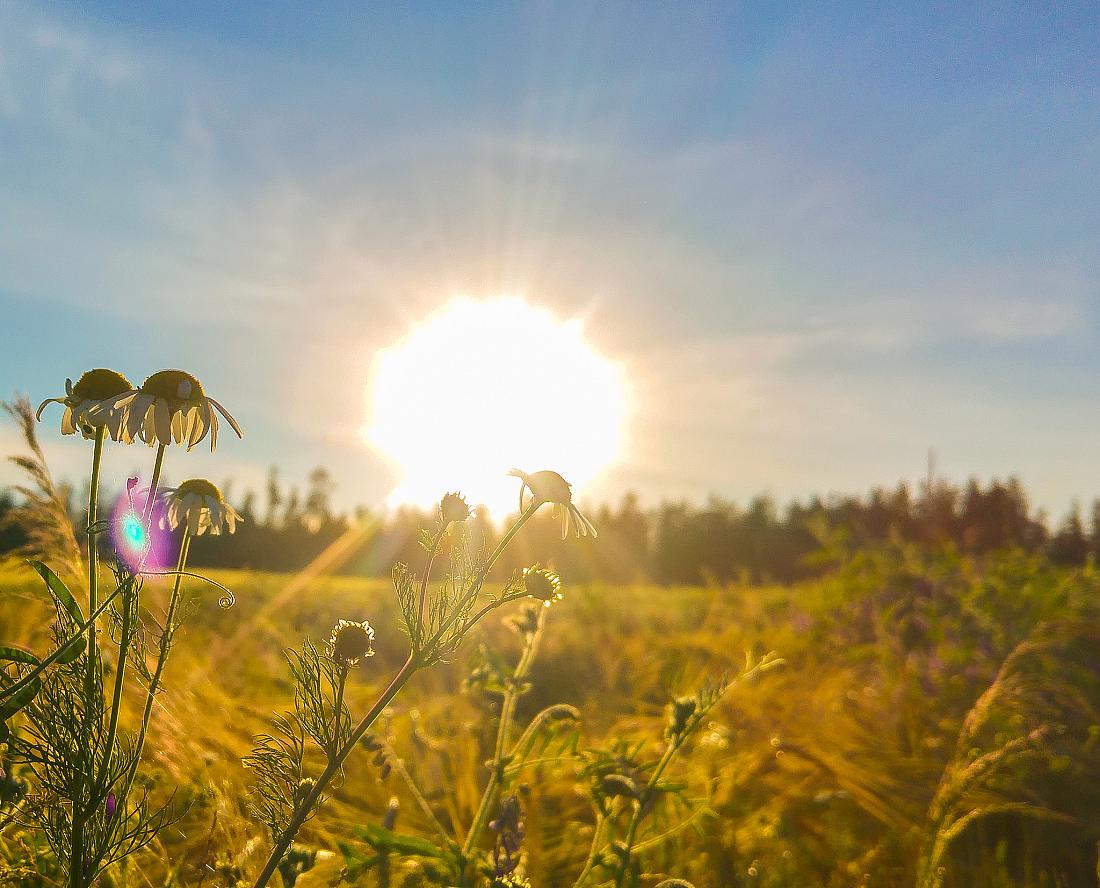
820	239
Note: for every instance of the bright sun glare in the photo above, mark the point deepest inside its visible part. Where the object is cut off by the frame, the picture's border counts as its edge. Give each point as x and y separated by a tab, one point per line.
483	386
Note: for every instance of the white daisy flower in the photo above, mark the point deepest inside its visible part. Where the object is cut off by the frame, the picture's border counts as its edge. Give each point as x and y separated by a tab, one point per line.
199	506
550	487
91	390
170	406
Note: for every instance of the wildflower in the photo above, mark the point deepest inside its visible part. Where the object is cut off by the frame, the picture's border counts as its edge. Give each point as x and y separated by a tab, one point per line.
110	806
453	508
550	487
170	405
542	584
351	642
93	388
510	833
199	506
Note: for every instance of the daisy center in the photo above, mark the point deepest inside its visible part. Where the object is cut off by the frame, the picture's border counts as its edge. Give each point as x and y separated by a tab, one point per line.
201	487
173	385
100	384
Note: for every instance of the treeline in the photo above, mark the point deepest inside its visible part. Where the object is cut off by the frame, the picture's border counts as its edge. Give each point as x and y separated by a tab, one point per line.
287	529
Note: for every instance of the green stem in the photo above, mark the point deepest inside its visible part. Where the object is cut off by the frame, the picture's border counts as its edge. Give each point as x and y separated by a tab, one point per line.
339	708
418	796
636	817
333	766
93	553
593	850
157	464
412	664
101	781
76	855
76	861
419	630
165	647
129	609
507	714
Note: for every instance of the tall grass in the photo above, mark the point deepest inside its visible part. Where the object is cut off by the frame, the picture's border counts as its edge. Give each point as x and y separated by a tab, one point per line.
936	724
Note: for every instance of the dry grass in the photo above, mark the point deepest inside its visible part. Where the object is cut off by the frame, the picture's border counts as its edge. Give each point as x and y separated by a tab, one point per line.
929	710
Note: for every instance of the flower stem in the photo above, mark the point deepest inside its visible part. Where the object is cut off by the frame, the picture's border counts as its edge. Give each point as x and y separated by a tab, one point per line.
507	714
157	464
303	809
101	781
593	850
162	659
93	552
76	862
419	630
338	709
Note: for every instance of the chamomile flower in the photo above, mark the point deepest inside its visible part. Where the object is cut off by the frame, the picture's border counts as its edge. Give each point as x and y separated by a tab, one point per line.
350	642
93	388
170	406
199	506
550	487
542	584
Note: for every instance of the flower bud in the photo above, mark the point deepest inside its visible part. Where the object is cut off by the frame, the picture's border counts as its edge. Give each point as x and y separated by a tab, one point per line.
680	711
542	584
453	508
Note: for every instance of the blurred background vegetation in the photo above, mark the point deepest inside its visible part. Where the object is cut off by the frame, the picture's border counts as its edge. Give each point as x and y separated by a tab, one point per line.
287	527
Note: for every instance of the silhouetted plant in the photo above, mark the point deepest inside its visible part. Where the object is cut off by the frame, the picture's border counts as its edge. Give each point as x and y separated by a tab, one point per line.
65	720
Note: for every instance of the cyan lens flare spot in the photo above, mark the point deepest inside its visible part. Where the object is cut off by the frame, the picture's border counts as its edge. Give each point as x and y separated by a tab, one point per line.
139	544
133	533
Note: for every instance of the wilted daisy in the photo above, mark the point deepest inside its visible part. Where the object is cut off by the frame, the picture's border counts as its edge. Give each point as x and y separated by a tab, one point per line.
93	388
350	642
199	506
170	406
453	508
550	487
542	584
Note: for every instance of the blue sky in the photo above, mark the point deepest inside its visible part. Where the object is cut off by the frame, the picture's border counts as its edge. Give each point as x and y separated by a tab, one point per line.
823	239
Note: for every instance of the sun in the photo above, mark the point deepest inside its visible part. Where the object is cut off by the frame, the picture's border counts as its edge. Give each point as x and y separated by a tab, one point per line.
482	386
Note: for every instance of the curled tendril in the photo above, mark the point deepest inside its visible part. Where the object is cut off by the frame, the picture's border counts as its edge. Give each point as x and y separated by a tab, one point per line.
226	601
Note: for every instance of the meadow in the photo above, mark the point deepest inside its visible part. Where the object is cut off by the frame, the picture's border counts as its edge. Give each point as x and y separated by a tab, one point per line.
935	721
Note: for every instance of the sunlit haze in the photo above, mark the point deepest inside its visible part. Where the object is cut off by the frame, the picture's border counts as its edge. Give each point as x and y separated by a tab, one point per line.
484	385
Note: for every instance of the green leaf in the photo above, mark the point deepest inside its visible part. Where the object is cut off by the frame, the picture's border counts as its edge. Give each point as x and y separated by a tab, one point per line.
17	655
59	591
382	839
72	649
11	705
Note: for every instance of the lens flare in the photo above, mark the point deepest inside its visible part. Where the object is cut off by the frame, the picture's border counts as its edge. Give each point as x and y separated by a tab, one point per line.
139	545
